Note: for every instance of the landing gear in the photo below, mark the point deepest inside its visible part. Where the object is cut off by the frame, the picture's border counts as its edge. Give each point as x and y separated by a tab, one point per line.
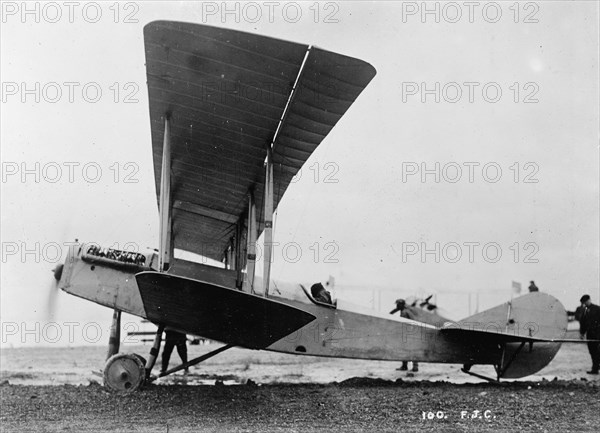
467	369
154	351
502	367
114	341
124	372
192	362
128	372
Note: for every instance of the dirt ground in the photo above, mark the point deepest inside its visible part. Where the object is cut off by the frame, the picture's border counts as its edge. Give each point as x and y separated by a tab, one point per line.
353	405
46	389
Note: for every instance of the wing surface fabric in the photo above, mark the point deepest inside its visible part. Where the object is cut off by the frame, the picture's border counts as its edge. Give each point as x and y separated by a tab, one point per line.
225	93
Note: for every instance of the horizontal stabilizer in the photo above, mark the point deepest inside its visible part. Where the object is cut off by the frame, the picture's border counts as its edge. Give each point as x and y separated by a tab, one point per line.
216	312
537	318
505	338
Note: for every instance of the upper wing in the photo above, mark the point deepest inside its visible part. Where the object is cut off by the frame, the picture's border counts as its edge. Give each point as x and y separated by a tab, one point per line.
225	93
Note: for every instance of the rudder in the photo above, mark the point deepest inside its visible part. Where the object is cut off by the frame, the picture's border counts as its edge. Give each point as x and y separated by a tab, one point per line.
517	325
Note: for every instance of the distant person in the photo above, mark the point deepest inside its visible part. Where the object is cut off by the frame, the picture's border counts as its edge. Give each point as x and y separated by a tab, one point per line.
319	293
172	339
533	287
578	315
590	328
401	306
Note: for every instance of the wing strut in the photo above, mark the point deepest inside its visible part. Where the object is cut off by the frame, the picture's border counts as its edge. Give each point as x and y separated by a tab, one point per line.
268	213
230	254
249	284
239	254
269	181
192	362
165	246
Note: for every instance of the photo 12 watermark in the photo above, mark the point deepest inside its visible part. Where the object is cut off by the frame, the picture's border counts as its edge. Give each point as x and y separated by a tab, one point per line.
36	12
327	172
452	12
469	252
270	12
54	252
469	172
71	92
288	252
69	172
452	92
62	333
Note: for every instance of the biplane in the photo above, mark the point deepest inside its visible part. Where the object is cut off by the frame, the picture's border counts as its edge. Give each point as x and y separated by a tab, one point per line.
234	116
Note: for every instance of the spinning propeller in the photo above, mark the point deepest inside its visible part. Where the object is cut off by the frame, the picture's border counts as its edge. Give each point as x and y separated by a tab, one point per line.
57	271
53	291
426	303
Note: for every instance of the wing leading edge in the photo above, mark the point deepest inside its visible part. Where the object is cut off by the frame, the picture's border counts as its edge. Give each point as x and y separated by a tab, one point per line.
225	93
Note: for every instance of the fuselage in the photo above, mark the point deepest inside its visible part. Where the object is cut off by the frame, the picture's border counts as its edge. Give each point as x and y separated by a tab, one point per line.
107	277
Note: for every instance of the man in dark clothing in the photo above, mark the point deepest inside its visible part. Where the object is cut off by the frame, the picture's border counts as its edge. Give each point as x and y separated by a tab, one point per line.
579	313
401	306
533	287
590	328
319	293
172	339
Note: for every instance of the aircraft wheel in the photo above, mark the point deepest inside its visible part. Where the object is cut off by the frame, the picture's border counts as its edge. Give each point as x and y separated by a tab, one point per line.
124	373
141	358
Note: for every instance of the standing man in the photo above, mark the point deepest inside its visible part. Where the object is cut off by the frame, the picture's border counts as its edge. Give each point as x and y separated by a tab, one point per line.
533	287
172	339
401	306
590	328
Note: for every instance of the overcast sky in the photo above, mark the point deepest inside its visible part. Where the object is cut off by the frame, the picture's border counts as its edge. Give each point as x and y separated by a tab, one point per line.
364	201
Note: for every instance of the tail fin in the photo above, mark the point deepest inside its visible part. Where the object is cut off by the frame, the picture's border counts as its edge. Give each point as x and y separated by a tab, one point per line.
534	318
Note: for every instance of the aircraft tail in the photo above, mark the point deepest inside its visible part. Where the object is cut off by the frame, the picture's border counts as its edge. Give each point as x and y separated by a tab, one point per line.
528	331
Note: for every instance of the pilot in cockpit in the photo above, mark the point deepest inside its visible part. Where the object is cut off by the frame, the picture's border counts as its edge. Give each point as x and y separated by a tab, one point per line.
319	293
